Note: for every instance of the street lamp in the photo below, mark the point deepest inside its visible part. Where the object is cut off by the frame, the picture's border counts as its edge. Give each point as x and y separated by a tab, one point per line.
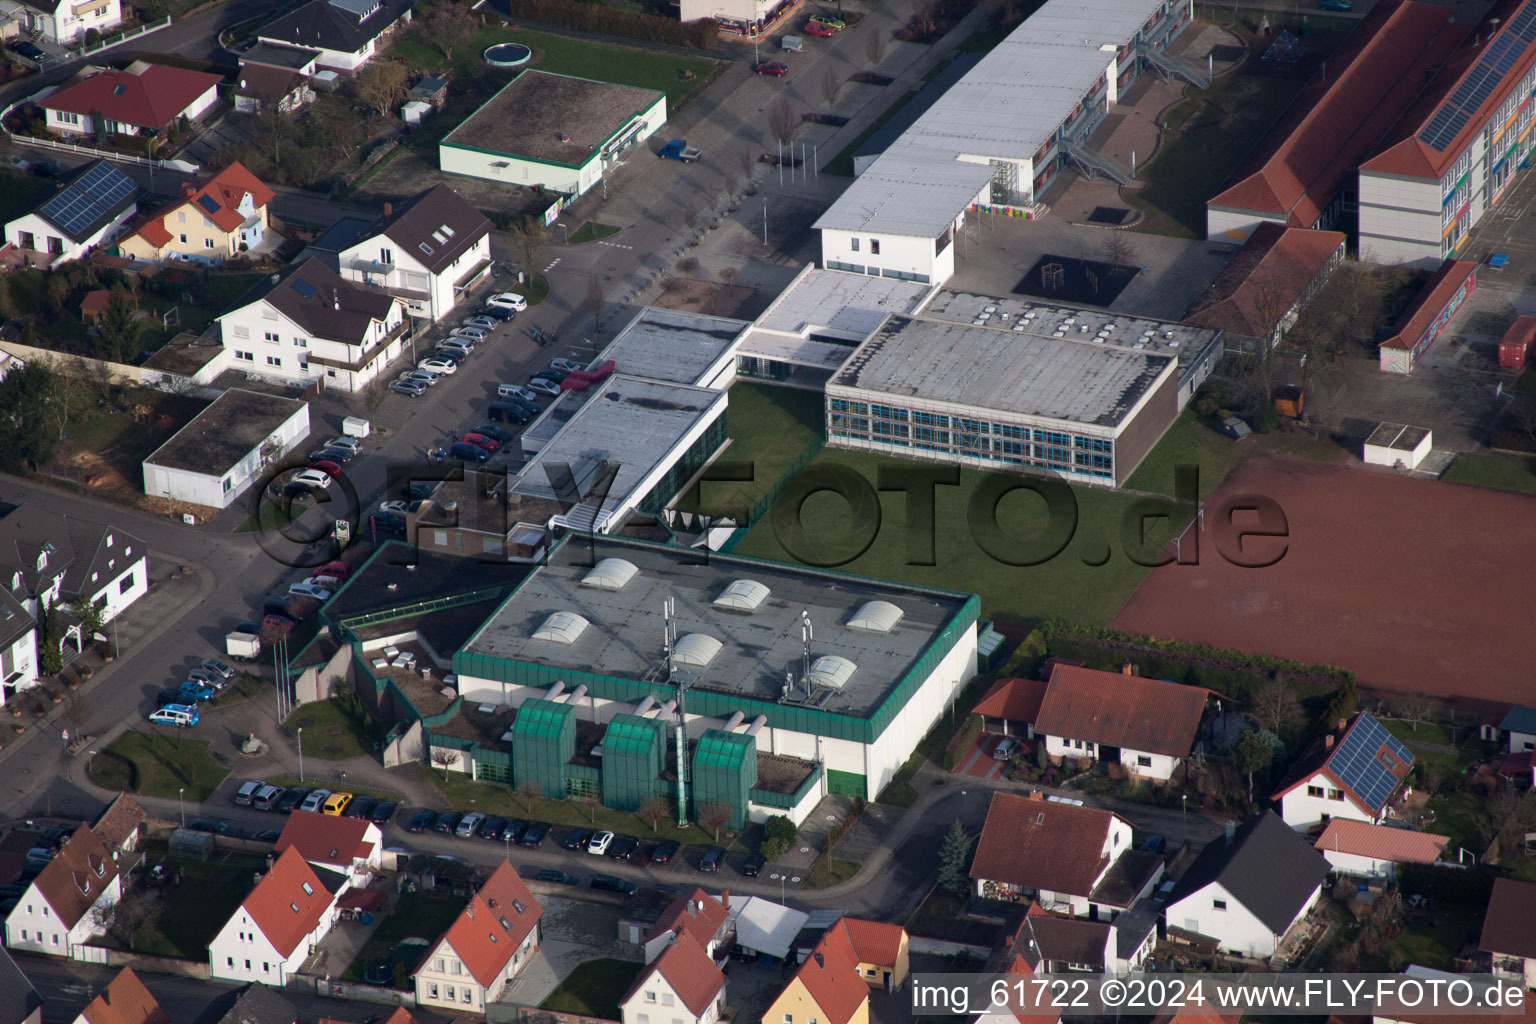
301	753
1184	805
181	798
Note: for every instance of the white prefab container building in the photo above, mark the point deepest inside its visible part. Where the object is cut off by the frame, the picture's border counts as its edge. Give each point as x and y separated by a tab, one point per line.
213	459
554	131
1398	446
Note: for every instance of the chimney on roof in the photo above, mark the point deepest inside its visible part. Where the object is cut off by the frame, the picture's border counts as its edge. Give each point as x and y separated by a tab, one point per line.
491	902
1343	724
1231	830
187	188
725	899
1127	669
389	209
1037	794
269	862
1328	742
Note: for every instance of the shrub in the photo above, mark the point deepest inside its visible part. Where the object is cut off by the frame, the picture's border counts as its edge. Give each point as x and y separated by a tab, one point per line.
963	740
92	37
1266	420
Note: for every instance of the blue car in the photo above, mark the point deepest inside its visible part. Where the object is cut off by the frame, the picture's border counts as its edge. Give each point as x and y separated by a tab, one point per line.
196	690
421	821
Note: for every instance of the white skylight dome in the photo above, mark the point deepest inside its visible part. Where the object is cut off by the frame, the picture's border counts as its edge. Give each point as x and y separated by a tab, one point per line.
696	649
611	574
561	628
875	617
833	671
743	596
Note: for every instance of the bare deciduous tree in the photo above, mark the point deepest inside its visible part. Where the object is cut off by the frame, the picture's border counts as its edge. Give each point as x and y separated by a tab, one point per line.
654	811
531	239
745	161
374	393
1119	250
590	802
447	27
1276	707
688	265
381	85
530	791
594	298
76	711
874	47
444	759
831	87
782	121
714	817
1414	708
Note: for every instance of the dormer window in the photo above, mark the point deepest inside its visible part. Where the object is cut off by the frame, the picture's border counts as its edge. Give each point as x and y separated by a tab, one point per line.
293	907
519	906
424	247
109	540
309	890
16	581
100	867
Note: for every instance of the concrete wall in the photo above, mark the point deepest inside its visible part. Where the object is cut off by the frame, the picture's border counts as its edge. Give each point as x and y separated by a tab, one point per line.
1399	220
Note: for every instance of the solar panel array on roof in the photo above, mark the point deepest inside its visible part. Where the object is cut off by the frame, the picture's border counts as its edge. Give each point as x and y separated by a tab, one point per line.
88	199
1482	81
304	288
208	203
1363	761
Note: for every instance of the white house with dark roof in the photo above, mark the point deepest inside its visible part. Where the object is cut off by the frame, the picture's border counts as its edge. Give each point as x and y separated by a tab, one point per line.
225	448
429	252
86	212
18	647
1352	773
1518	729
307	325
1508	936
56	915
20	1003
66	22
1247	890
346	33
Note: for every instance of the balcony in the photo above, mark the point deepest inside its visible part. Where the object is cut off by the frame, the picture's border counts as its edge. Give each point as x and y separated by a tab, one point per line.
382	278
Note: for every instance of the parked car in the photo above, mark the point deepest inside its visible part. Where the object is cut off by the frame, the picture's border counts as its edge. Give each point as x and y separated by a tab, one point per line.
248	791
270	835
278	623
248	627
437	366
517	391
180	715
513	830
408	387
834	23
533	835
351	444
327	467
420	377
568	365
501	314
477	334
450	354
358	807
400	508
506	412
421	821
664	851
558	877
468	824
624	848
331	583
544	386
712	859
196	691
214	825
218	667
598	843
816	28
491	828
613	883
340	456
309	590
773	68
315	800
207	678
459	344
336	804
576	838
383	812
467	452
1005	748
511	300
31	51
293	799
168	697
268	798
485	323
492	430
753	865
553	373
448	822
490	444
306	482
679	150
528	406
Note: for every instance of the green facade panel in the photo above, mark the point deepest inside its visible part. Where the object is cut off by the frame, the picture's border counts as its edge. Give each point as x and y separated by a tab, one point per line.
724	772
846	783
543	740
634	750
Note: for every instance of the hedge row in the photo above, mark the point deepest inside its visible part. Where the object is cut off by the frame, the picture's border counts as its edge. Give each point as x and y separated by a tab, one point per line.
591	17
963	740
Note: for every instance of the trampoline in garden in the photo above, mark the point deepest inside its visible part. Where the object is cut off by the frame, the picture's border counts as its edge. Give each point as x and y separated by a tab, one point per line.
508	55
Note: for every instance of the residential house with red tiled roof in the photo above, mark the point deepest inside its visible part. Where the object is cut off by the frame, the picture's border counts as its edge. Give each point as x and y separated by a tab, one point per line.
1301	172
212	222
681	986
1147	725
698	914
145	99
118	826
1071	859
1011	706
277	926
879	949
1453	154
125	1001
827	988
58	912
486	946
1367	850
352	846
1352	772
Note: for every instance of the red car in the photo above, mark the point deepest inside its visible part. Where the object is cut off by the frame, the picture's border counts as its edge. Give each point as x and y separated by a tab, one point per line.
277	623
327	467
776	68
490	444
337	569
816	28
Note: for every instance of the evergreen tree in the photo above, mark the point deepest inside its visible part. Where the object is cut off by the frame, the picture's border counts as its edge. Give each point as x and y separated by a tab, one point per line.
955	860
25	434
1253	755
1343	707
49	657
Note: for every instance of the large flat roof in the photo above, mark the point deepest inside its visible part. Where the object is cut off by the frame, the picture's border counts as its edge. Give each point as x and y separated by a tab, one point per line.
839	302
1183	342
624	634
1007	107
671	345
528	117
628	421
988	368
236	423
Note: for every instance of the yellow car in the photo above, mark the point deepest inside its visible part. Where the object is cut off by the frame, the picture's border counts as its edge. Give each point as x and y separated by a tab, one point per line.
336	804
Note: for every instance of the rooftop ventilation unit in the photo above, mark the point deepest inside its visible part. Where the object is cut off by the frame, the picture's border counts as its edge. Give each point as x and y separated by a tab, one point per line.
561	628
742	596
696	650
875	617
832	671
611	574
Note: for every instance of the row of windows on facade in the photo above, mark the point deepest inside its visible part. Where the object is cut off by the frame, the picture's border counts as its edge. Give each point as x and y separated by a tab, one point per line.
1013	452
270	337
453	993
40	937
898	275
1329	794
972	426
250	357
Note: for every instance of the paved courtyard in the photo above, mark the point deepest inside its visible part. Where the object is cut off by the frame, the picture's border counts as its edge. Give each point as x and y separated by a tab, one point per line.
574	931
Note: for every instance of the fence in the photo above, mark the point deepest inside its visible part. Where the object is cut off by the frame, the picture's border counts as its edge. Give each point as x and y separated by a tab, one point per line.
943	947
513	1013
153	964
354	990
772	494
107	44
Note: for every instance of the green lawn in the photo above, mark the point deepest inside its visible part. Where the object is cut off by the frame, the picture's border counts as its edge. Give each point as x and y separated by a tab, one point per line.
242	688
830	871
571	55
465	794
1087	581
1194	440
536	290
334	732
1437	947
194	910
1457	816
1209	135
591	231
769	428
417	915
158	764
1420	732
594	988
1492	469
